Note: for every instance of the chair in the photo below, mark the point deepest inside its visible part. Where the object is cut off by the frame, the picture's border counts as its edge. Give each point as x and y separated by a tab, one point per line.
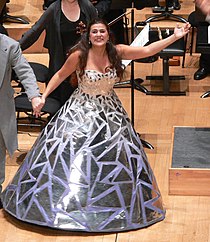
178	48
23	105
6	17
3	30
166	14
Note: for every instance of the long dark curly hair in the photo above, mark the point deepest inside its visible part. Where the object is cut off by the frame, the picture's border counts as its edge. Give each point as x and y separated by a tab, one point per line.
84	46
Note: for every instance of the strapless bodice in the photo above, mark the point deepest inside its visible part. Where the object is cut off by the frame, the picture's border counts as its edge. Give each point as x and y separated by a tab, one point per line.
97	83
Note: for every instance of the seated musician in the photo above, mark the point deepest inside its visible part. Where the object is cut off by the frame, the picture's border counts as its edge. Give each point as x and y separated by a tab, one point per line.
204	63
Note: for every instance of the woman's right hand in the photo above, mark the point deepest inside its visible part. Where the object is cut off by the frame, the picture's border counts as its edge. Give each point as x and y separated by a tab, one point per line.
40	106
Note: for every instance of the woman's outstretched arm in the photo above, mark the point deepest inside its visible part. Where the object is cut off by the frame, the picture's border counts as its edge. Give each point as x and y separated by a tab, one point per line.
134	52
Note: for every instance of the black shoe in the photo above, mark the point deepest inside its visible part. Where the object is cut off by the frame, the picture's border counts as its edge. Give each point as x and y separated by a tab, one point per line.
1	205
170	4
176	5
200	74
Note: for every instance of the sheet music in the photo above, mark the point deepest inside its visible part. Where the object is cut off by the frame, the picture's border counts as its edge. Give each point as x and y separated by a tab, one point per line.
141	39
209	34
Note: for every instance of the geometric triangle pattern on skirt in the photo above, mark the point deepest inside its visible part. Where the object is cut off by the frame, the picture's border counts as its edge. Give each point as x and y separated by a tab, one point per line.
87	171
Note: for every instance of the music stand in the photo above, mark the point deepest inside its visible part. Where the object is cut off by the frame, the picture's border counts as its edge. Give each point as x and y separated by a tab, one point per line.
167	14
123	4
144	142
5	17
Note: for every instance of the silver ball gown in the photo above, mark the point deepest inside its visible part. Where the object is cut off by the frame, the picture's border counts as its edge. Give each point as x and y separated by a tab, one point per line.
87	171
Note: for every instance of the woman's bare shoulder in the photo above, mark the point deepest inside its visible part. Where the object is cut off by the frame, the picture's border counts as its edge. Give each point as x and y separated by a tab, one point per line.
74	56
72	61
76	53
121	49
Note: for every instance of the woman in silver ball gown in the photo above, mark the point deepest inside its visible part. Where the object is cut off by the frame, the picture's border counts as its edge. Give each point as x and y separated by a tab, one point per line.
87	171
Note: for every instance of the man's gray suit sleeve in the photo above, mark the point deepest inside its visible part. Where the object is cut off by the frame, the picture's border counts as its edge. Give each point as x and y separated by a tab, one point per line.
24	71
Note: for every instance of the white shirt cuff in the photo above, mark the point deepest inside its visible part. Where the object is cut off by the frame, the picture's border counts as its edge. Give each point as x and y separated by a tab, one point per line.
208	18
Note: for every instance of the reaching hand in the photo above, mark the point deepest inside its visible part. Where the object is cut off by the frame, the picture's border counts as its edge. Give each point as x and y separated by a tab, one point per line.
37	104
204	6
179	32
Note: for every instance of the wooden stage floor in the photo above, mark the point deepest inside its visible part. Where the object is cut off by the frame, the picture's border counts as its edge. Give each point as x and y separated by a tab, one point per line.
187	217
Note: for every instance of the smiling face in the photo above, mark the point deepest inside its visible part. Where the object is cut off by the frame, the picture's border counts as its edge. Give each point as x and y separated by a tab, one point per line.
98	35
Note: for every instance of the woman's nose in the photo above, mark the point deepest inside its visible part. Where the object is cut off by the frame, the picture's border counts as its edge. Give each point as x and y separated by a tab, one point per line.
98	33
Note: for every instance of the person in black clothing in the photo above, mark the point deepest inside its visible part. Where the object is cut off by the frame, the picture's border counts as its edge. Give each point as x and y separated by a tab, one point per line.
62	22
204	63
102	6
198	18
104	11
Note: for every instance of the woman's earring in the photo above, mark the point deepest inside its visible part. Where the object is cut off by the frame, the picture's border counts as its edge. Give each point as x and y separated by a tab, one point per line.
89	42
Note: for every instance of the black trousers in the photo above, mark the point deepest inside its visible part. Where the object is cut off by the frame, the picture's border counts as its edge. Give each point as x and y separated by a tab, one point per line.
205	61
